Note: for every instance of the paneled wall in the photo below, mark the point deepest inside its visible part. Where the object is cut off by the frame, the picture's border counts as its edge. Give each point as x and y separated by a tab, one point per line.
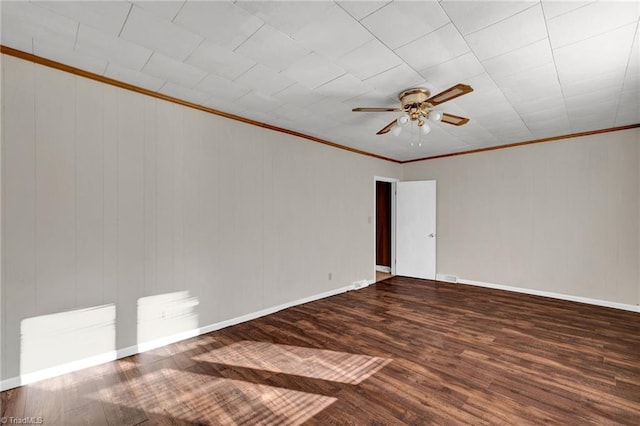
561	217
110	196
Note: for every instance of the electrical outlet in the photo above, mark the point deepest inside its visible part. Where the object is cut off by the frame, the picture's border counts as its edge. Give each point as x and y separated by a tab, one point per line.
330	276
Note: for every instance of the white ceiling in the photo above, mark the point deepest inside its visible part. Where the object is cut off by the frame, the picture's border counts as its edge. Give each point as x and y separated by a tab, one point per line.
539	68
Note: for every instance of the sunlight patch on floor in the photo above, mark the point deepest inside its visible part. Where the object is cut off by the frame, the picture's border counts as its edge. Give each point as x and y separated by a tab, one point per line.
300	361
213	400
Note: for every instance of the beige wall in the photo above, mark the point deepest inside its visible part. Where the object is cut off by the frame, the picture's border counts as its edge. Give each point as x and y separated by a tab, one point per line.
110	196
561	217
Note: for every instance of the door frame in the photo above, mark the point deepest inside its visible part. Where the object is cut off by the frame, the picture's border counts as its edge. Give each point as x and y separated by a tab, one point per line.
393	182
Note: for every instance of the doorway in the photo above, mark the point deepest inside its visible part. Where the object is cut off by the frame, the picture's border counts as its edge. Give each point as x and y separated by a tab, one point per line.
384	227
405	228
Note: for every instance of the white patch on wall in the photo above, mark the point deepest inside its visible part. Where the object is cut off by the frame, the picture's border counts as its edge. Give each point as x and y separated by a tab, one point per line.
168	315
64	337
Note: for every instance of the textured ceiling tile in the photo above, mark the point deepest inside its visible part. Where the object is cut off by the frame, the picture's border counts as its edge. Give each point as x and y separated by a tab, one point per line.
264	80
481	83
167	9
219	21
222	89
369	59
219	60
297	94
553	8
343	87
362	9
48	48
510	34
291	112
582	121
92	42
609	81
395	80
399	23
533	55
457	70
633	67
171	70
536	82
583	101
631	81
313	70
345	35
22	21
544	101
159	35
135	78
434	48
17	39
546	115
603	54
287	16
258	102
629	108
107	16
373	98
272	48
332	108
475	104
470	16
578	24
549	129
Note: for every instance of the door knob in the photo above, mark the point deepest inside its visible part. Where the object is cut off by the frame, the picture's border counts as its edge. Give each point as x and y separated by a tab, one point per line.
432	235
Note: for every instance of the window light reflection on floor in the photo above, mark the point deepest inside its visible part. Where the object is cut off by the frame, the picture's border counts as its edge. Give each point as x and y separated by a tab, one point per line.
300	361
206	399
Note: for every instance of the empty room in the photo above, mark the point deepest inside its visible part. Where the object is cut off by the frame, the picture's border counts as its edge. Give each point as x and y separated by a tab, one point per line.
320	212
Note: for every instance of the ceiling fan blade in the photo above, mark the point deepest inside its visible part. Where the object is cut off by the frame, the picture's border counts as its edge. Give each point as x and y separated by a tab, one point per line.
387	128
454	119
450	93
376	109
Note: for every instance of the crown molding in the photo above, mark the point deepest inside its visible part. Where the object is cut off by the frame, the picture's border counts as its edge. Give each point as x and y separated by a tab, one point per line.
106	80
531	142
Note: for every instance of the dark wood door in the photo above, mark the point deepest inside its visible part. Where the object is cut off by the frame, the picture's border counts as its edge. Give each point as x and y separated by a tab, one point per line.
383	223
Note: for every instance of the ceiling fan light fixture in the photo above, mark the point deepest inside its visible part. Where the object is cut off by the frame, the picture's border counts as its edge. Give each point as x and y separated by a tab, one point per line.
424	127
435	115
403	120
396	131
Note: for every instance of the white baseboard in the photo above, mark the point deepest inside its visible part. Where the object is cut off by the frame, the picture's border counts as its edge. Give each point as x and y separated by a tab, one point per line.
597	302
447	278
386	269
80	364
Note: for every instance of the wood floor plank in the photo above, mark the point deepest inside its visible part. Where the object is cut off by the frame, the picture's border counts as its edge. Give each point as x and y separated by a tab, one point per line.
402	351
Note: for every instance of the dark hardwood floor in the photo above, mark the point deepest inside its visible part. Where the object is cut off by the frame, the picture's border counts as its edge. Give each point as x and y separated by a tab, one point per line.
402	351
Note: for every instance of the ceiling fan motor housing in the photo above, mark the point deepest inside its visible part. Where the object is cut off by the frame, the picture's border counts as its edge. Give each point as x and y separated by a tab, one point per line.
414	98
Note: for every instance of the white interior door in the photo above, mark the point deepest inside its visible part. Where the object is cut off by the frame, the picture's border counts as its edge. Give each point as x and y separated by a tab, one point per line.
416	229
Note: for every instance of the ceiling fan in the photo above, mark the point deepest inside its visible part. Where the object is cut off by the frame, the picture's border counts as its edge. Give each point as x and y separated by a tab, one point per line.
418	105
